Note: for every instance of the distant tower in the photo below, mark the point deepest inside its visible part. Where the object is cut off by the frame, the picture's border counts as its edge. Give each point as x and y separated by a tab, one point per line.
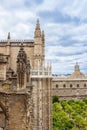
38	46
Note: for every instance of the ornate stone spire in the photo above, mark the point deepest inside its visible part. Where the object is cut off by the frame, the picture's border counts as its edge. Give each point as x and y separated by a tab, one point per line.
37	30
37	24
77	67
8	39
21	67
8	36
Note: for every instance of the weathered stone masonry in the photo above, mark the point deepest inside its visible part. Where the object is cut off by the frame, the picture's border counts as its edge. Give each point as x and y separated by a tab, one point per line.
14	108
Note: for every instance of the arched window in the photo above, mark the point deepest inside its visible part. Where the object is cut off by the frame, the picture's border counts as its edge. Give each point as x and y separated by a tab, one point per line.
56	85
70	85
77	85
84	85
64	85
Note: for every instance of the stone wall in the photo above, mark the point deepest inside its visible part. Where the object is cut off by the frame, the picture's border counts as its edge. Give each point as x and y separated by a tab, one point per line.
42	103
69	88
15	111
2	49
12	52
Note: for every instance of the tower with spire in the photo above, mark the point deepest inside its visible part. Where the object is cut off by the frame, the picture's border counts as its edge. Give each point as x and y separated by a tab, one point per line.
38	46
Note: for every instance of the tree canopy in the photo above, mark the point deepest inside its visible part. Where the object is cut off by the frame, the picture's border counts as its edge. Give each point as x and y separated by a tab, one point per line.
69	115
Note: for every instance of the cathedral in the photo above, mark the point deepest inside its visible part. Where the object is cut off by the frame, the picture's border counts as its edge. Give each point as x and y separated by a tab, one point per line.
27	85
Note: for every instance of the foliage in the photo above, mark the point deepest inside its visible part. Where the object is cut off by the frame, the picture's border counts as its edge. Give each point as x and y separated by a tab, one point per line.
55	99
69	115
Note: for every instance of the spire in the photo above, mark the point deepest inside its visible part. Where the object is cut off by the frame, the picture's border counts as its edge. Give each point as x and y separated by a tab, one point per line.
77	67
8	36
37	30
21	67
37	24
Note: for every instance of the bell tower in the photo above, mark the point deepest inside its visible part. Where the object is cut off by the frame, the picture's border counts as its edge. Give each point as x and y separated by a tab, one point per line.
38	46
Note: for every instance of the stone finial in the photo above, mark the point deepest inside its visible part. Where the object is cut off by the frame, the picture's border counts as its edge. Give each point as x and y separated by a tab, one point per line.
37	30
8	36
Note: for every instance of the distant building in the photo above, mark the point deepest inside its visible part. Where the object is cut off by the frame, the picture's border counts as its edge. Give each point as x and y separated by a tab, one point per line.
73	86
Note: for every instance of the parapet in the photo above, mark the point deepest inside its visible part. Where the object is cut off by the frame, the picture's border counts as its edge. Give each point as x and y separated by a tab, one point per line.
13	42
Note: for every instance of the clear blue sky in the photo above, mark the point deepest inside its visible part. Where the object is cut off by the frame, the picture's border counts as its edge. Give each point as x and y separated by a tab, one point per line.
64	23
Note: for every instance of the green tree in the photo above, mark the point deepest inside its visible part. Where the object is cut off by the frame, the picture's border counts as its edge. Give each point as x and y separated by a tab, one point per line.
55	99
70	115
